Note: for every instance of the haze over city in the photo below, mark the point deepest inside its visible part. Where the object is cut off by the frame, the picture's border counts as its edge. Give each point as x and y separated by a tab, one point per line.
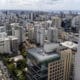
44	5
39	39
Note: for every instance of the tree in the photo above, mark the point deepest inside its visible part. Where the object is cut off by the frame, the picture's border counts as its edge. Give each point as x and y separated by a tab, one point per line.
24	53
11	67
21	64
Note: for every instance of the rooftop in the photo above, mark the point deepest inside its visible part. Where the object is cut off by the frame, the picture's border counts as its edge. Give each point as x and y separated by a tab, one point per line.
50	47
69	44
8	38
12	37
40	55
17	58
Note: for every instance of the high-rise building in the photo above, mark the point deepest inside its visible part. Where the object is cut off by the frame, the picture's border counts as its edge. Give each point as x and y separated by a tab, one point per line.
76	23
39	35
66	55
5	45
56	21
3	32
77	62
60	69
13	44
42	36
49	65
19	32
38	63
49	23
8	44
36	31
31	34
73	47
52	34
31	16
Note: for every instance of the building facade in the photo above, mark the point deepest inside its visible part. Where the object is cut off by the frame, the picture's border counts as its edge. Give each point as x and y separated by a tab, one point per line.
60	69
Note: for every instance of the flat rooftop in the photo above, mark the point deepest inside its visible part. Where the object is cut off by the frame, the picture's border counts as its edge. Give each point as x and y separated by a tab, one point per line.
50	47
69	44
8	38
17	58
40	55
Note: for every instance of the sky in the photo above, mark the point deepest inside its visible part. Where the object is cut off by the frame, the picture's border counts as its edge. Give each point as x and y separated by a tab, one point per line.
44	5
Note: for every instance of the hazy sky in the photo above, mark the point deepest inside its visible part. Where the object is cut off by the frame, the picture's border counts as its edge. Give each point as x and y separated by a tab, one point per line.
40	4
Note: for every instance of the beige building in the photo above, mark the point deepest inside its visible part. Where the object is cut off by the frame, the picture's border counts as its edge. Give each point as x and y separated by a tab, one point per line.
56	21
60	69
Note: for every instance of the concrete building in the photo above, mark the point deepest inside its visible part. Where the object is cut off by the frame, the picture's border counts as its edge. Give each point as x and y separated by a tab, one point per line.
42	36
60	69
19	32
52	34
50	47
13	43
36	31
67	56
69	44
8	44
52	64
76	23
56	21
5	45
77	62
73	47
39	34
3	31
38	63
31	34
17	58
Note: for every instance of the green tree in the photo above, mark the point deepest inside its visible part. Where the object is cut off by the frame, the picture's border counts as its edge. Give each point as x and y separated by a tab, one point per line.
11	67
21	64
